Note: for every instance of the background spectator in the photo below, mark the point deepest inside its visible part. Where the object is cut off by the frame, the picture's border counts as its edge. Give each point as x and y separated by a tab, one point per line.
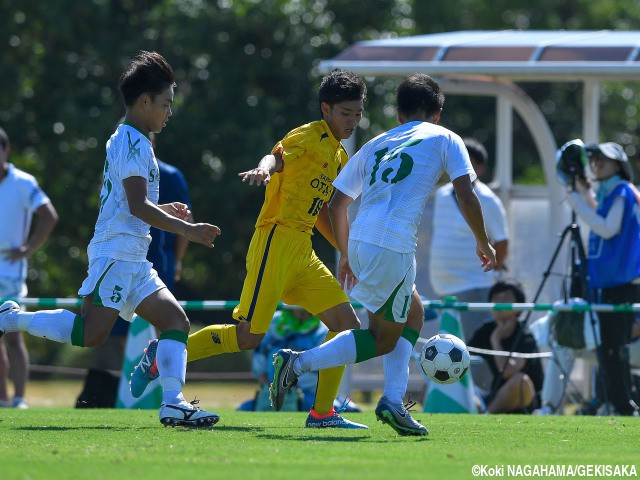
516	381
20	197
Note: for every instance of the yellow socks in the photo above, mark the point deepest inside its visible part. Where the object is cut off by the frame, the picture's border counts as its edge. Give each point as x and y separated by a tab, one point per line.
328	385
212	340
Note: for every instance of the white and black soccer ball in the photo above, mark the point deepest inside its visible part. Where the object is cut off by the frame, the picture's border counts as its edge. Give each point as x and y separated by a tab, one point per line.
444	358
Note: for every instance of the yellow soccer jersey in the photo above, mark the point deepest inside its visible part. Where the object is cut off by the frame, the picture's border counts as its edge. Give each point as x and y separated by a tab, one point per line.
312	160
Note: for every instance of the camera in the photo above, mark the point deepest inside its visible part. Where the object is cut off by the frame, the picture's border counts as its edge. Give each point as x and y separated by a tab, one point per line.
571	161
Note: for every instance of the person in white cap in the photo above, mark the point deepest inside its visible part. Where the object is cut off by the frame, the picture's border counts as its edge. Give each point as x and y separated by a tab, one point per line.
611	212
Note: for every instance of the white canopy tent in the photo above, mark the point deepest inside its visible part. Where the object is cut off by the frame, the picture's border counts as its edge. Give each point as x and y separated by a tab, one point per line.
489	63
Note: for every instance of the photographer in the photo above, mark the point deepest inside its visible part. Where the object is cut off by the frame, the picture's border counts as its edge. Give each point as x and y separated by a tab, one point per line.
611	212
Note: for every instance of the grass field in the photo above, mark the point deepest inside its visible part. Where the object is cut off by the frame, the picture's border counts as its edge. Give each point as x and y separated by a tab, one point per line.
63	443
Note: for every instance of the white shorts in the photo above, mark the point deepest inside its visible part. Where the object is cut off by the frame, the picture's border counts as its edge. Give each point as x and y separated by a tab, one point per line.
385	279
120	285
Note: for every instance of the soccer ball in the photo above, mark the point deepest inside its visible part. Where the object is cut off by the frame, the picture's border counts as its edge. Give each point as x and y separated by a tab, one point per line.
444	358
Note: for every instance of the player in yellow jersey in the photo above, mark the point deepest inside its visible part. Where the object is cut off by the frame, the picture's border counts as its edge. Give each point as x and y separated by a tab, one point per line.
281	263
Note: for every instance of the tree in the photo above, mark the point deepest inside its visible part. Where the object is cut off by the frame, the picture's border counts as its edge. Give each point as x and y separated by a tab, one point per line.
246	76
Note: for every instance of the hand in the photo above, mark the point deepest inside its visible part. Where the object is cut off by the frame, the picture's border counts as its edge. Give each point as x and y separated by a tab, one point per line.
582	185
346	277
176	209
258	175
16	254
203	233
487	255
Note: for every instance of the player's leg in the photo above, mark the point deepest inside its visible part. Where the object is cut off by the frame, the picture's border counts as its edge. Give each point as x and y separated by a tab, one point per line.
385	287
339	318
85	330
391	408
228	338
104	292
323	413
260	296
396	362
269	258
19	367
162	310
317	291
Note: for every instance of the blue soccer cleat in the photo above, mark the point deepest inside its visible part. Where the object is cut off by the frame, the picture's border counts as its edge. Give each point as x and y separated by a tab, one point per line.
146	371
332	420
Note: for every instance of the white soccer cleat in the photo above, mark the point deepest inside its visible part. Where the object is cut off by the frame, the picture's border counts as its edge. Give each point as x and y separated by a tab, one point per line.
186	414
5	309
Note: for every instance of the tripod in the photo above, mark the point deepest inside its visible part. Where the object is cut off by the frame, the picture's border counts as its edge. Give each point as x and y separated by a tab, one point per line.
579	288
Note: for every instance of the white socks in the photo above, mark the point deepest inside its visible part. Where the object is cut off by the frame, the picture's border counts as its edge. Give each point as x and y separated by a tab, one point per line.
53	325
172	366
396	371
340	350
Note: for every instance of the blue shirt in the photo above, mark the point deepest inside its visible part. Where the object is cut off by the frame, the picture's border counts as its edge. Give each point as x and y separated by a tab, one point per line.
616	261
173	188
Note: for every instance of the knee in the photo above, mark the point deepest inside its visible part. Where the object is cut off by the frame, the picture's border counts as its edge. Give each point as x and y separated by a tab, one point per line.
183	324
95	338
348	323
96	330
347	319
248	340
385	345
522	388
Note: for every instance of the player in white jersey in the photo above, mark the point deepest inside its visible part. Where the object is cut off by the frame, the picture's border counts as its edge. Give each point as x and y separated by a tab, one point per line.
394	174
120	279
118	234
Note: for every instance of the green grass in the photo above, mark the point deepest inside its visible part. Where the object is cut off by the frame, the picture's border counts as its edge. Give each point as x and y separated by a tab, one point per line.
63	443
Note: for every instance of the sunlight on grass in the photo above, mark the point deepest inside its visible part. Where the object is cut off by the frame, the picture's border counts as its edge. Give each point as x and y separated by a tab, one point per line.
57	443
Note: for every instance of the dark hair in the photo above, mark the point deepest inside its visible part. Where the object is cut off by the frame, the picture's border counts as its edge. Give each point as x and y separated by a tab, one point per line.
341	86
505	285
4	139
419	92
148	73
476	150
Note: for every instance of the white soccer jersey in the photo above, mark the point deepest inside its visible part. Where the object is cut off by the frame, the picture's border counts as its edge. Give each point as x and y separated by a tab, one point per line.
20	196
395	173
118	234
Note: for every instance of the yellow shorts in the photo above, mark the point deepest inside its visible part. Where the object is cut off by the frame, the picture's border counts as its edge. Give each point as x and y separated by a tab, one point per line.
282	266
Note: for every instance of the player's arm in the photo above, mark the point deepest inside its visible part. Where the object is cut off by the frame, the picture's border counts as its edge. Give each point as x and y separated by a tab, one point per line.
46	219
323	224
181	243
267	166
472	213
338	207
142	208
